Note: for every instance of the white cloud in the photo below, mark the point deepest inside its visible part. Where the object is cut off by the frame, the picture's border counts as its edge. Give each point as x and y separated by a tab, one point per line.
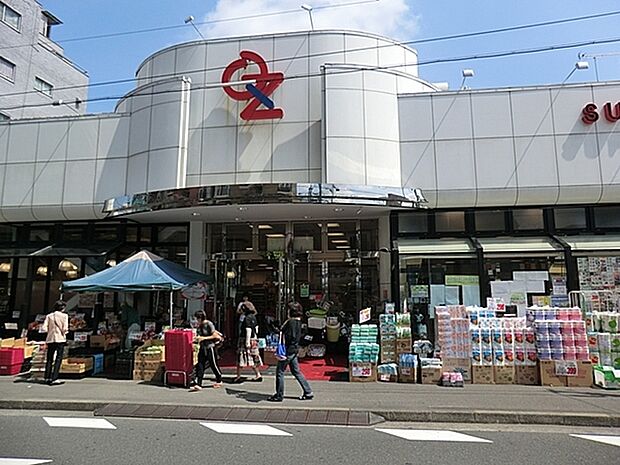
390	18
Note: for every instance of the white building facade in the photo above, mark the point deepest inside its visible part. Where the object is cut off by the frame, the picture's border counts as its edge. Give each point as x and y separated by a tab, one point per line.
292	165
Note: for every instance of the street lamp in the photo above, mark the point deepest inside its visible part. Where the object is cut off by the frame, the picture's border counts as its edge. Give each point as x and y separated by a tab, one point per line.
190	20
466	73
308	8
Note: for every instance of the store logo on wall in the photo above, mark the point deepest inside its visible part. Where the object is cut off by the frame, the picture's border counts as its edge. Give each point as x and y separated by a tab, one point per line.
590	113
257	93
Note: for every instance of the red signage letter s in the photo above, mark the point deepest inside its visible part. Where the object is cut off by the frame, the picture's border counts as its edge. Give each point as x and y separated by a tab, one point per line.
590	115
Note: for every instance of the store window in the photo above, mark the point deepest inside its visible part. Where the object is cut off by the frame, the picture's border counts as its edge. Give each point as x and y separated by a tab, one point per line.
598	278
493	220
7	69
174	254
146	234
214	245
10	16
306	236
73	233
131	234
529	219
570	218
7	233
43	86
105	233
413	222
429	282
41	233
341	235
607	217
450	221
176	233
369	230
238	237
271	237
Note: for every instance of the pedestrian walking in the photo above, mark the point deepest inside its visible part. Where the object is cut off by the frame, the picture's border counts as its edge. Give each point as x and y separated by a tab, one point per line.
208	337
291	332
56	325
248	354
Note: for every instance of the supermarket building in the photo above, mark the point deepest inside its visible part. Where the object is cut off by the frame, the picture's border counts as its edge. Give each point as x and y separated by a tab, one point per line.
330	171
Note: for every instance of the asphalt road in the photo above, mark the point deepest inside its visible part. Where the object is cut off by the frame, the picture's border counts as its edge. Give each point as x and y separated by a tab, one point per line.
31	435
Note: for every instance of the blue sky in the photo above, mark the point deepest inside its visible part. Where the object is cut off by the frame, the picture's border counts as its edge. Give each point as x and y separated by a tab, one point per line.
116	58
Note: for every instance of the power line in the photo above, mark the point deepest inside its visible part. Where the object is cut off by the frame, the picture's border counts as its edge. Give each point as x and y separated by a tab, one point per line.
491	55
328	53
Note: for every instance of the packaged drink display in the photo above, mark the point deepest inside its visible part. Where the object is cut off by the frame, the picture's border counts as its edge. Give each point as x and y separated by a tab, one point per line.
519	356
531	357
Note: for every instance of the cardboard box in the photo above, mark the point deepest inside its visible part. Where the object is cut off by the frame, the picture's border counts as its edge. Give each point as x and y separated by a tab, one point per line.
585	376
362	372
403	346
88	362
407	375
149	375
527	375
7	343
547	374
482	374
72	368
504	374
148	365
460	365
387	378
101	342
431	375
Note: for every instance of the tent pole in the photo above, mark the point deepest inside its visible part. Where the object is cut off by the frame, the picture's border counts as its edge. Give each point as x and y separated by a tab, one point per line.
170	309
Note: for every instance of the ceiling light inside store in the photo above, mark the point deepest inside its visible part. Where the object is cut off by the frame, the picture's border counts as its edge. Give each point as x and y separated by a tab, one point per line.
249	249
67	265
72	274
265	226
338	209
335	234
343	247
111	262
42	271
274	235
340	241
333	225
5	267
231	274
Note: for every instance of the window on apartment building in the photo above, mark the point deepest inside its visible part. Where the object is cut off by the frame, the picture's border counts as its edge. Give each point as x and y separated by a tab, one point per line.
43	87
47	21
7	69
10	16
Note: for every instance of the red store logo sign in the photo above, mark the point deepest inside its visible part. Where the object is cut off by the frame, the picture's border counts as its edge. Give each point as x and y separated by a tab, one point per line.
591	114
256	94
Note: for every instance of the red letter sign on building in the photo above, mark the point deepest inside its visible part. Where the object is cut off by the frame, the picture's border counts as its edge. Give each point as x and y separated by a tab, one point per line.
257	94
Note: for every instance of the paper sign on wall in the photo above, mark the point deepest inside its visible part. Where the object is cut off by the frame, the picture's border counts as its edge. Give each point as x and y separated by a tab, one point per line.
365	315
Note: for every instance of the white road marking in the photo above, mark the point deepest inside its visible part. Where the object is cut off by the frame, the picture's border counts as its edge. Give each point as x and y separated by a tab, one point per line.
611	440
66	422
8	461
432	435
238	428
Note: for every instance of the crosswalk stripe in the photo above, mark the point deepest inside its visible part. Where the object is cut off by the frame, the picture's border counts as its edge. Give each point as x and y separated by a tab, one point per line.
611	440
432	435
10	461
66	422
238	428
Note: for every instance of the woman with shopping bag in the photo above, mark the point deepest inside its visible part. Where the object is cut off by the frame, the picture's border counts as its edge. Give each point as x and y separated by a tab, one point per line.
248	354
287	354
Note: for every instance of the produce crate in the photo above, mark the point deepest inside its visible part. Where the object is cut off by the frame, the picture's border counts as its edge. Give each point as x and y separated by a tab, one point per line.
10	369
11	356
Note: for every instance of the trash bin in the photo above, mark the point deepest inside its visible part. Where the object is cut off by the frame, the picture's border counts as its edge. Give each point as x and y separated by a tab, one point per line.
333	333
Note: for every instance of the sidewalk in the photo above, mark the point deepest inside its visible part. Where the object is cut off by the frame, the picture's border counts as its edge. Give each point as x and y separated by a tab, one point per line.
390	401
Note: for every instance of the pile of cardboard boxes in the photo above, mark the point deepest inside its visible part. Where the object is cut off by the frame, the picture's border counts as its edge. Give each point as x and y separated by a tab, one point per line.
149	361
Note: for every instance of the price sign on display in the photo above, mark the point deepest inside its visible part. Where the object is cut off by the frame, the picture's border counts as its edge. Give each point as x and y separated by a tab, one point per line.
365	315
361	370
566	368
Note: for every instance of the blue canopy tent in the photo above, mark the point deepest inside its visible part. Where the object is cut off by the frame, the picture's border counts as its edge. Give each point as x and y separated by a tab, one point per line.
143	271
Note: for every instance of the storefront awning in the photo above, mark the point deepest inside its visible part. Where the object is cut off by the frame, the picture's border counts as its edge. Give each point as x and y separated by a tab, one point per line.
436	247
497	246
592	243
57	250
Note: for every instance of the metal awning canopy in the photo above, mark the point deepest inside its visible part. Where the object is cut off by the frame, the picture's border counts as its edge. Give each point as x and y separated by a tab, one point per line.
519	245
57	250
436	247
593	243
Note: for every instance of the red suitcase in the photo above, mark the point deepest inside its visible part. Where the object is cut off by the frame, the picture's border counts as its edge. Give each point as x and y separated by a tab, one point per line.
179	356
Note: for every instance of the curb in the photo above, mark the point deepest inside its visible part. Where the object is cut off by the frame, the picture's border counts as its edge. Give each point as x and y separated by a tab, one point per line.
474	416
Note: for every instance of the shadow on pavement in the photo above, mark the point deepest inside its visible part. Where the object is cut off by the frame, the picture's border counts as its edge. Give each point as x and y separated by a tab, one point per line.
253	397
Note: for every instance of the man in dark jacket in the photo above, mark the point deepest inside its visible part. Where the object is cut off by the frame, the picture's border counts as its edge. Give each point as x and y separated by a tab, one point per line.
291	330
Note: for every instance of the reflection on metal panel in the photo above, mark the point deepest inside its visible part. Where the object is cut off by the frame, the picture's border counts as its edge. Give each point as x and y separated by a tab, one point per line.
593	243
435	246
248	194
519	245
